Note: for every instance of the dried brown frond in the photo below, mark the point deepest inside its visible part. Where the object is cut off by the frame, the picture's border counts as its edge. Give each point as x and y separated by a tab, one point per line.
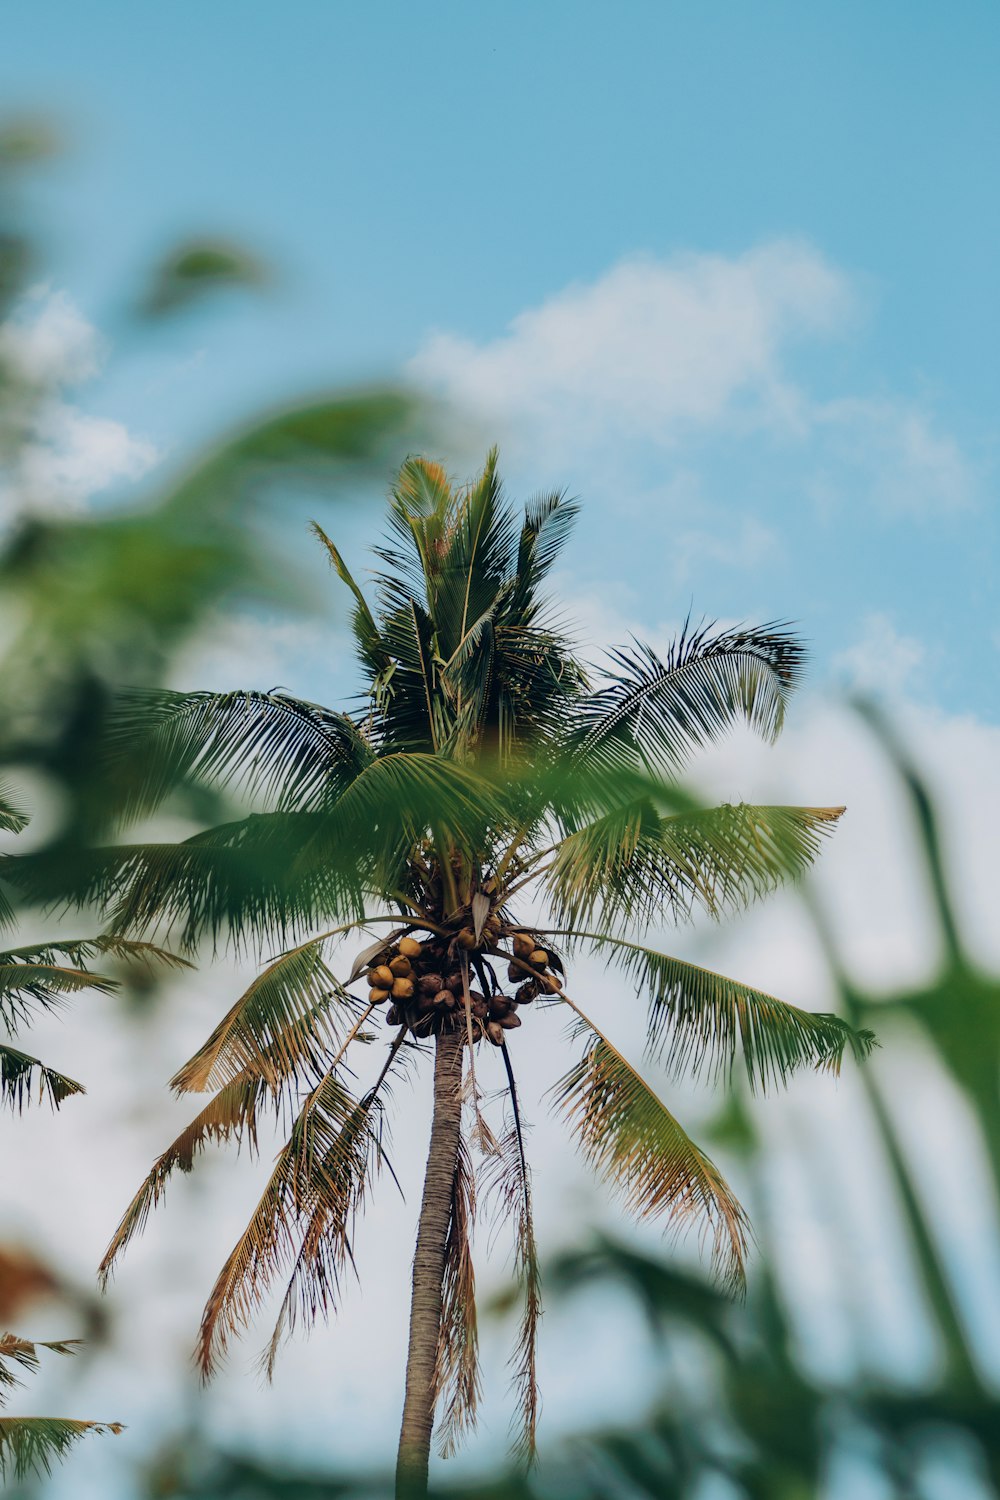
634	1142
232	1113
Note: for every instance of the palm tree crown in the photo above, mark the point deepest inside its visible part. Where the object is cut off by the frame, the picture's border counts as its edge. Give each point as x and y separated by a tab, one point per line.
487	812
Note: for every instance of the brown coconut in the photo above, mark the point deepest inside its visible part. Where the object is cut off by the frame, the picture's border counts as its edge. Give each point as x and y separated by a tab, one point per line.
510	1020
524	946
429	984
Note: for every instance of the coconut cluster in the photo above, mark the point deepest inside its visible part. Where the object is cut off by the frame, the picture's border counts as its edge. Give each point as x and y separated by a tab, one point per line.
423	982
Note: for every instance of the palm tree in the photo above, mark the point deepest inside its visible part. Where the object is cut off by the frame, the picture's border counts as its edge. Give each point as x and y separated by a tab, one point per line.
488	812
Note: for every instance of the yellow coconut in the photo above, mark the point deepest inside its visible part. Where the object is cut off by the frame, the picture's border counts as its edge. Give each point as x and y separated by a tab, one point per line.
524	946
538	957
410	948
400	966
377	996
381	977
402	989
467	938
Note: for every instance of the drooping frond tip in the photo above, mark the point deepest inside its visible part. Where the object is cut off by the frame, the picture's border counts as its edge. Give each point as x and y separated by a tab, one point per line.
638	1147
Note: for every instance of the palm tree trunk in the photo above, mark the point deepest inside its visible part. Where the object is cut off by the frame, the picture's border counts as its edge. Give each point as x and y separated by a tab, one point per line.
428	1269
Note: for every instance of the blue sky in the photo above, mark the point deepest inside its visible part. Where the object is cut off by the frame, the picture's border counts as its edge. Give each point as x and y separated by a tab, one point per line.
447	169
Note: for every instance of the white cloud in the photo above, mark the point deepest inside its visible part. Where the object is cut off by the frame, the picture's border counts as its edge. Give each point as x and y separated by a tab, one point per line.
651	349
881	660
655	354
74	455
49	341
66	454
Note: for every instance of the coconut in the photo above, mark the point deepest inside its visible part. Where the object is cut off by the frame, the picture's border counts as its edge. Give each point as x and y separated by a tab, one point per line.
495	1032
410	948
524	946
425	1004
402	989
400	966
443	1000
467	939
551	984
478	1006
539	958
455	982
510	1020
499	1006
392	1016
514	973
382	976
493	926
377	996
429	984
527	992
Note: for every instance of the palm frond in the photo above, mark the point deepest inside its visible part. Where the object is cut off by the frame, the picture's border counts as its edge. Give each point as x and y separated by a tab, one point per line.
231	1114
80	951
457	1380
631	865
636	1145
317	1183
507	1186
30	1445
12	818
656	710
21	1074
699	1020
371	647
328	1208
291	753
18	1355
281	1023
25	984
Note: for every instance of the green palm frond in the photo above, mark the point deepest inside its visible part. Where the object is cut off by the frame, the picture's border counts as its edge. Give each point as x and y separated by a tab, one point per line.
80	951
657	710
12	818
21	1074
19	1356
632	865
458	1381
25	985
30	1445
371	647
290	753
699	1020
277	1028
637	1146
